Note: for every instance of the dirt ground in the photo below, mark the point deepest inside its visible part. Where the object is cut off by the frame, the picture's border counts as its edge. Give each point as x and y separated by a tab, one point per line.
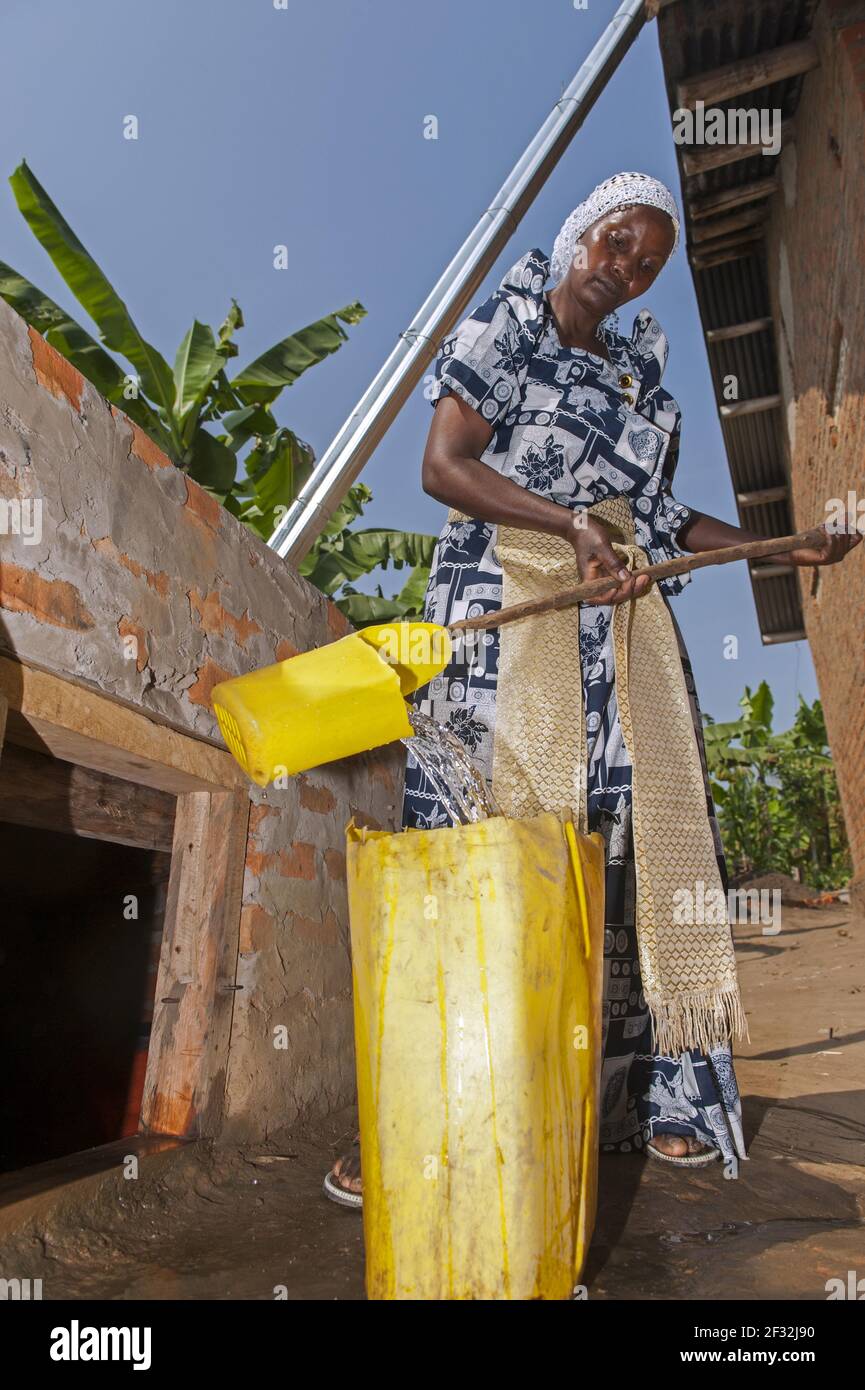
226	1224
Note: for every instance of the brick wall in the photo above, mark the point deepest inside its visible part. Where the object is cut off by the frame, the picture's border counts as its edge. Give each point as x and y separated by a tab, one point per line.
131	547
817	267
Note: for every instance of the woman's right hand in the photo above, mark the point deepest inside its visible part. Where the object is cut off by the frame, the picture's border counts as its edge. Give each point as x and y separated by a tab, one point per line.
596	559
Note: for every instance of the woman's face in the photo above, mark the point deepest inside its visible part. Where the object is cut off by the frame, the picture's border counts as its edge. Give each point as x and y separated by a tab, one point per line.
624	252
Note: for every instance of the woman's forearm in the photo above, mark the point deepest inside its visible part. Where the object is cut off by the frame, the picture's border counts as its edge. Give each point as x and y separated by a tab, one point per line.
705	532
470	486
708	533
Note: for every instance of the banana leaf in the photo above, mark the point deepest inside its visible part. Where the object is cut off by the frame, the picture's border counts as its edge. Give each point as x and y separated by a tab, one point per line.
243	425
63	333
349	509
412	595
377	546
91	287
232	321
758	707
261	382
222	400
354	553
722	733
363	609
198	362
811	724
211	463
276	469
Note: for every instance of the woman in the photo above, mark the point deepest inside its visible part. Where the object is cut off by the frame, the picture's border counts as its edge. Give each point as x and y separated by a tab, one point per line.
549	421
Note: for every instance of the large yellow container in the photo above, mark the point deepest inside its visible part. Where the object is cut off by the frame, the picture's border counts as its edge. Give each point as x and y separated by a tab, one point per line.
328	703
477	955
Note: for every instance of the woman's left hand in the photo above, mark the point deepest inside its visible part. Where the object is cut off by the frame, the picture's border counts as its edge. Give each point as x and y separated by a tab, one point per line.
836	546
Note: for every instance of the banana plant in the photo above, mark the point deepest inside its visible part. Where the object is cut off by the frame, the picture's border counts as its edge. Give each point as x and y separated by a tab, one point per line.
215	423
776	793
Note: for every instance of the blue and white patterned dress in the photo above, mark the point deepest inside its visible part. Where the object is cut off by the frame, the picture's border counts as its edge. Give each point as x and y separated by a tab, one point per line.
571	426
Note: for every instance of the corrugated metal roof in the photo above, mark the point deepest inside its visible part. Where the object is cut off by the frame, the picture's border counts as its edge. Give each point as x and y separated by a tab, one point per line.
696	37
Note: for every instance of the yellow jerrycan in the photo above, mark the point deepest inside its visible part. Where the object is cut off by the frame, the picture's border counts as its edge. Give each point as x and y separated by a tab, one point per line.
339	699
477	957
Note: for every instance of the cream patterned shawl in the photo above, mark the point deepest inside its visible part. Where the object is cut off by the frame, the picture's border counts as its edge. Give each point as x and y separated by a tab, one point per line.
540	764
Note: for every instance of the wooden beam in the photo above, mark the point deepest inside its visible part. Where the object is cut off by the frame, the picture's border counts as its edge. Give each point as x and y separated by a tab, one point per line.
83	726
708	204
723	257
748	74
770	571
47	794
724	243
764	495
737	330
747	247
698	159
184	1088
723	226
754	406
794	635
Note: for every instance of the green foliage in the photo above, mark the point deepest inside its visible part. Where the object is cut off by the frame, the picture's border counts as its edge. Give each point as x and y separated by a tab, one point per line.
776	794
175	406
341	555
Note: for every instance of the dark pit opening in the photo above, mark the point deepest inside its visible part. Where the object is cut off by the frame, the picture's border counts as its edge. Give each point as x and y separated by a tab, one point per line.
80	936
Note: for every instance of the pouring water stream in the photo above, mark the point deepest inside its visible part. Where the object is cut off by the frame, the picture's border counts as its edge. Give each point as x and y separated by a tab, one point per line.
446	762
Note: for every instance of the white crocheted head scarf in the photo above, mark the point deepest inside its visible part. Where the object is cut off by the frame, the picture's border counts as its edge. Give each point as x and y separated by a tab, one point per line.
620	191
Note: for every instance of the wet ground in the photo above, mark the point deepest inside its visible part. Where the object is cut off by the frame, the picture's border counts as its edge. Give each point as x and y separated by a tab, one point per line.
228	1224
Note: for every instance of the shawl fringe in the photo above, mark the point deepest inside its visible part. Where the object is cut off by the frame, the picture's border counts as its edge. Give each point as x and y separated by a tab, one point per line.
703	1020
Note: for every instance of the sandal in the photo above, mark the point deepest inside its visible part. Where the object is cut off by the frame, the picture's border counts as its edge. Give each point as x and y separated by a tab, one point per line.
698	1160
333	1188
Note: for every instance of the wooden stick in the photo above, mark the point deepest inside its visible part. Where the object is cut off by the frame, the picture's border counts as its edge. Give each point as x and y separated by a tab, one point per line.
749	550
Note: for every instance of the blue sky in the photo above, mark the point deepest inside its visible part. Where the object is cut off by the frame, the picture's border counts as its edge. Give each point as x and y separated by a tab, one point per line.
304	126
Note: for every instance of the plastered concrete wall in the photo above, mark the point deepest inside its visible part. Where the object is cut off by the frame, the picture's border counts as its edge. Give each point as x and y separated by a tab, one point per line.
817	265
130	547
